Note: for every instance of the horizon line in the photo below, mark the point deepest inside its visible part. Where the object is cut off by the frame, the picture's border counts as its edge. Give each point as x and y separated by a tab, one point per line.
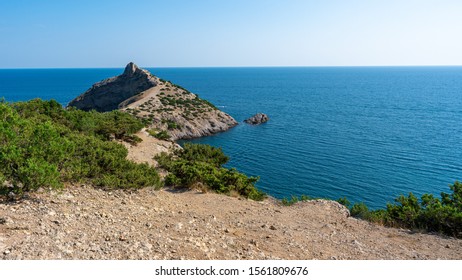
276	66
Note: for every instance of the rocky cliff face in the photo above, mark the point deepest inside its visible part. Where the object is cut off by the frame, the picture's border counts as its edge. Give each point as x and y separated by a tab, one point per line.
162	104
108	95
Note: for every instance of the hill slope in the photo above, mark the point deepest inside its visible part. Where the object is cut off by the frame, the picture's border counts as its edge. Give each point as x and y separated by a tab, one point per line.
163	105
86	223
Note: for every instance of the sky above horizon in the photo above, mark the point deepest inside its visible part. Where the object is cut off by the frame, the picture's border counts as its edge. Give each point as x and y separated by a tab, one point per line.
208	33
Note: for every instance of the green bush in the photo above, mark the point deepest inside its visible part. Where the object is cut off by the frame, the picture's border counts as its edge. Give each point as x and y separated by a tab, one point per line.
161	135
132	139
429	213
202	153
102	125
294	199
171	124
344	201
202	165
360	210
44	145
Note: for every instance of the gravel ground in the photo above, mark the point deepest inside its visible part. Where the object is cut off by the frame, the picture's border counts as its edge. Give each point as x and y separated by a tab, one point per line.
81	222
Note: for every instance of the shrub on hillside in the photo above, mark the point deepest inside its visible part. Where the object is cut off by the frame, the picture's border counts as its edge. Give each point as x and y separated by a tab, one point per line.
44	145
202	165
429	213
161	135
102	125
202	153
294	199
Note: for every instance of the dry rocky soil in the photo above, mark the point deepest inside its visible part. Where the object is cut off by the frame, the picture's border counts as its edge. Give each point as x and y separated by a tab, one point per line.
81	222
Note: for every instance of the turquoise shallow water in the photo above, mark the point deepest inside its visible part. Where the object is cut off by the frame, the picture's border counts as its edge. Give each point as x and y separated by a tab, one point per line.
367	133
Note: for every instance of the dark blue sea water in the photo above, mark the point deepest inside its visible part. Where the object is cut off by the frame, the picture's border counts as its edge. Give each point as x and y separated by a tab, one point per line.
367	133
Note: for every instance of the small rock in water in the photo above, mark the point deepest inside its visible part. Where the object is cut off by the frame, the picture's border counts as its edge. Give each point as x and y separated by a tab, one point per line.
257	119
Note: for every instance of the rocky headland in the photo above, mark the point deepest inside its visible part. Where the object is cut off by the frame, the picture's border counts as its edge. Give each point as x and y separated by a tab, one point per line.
163	105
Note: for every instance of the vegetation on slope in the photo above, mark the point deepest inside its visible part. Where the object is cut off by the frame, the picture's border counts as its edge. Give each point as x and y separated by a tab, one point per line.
172	98
429	213
202	165
44	145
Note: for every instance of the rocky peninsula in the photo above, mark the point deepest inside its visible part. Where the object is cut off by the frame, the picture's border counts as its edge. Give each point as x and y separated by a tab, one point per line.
163	105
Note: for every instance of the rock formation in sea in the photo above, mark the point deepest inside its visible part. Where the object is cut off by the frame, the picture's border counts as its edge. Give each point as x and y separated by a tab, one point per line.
257	119
163	105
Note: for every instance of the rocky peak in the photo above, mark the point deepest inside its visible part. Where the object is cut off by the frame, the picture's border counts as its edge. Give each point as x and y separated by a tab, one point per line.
131	69
108	95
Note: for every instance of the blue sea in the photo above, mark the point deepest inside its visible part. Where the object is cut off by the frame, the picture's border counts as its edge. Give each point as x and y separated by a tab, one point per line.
365	133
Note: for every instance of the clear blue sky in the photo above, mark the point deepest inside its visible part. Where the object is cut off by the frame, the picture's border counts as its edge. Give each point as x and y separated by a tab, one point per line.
109	33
